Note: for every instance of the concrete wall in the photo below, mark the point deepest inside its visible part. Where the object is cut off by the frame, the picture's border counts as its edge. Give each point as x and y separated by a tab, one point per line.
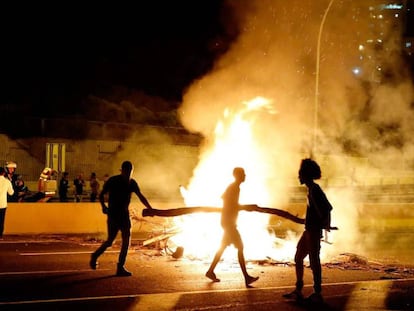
67	218
22	218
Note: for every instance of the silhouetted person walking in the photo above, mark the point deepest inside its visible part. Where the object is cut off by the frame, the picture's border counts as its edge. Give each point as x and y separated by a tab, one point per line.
318	217
119	189
231	235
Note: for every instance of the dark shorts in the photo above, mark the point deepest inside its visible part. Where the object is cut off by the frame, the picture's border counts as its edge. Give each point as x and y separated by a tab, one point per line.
232	236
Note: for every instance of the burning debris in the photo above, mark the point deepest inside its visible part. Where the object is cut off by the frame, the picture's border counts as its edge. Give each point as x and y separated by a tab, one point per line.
163	236
344	261
350	261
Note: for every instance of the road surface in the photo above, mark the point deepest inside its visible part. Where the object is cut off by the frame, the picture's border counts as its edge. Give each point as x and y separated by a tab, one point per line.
53	274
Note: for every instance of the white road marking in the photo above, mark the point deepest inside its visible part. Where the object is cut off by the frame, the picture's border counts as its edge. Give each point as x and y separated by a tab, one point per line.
47	272
60	253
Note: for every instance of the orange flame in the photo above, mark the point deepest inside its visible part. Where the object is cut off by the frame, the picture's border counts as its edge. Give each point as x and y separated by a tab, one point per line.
234	144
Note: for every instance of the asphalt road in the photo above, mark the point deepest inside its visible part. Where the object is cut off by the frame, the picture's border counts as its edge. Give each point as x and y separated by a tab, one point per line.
53	274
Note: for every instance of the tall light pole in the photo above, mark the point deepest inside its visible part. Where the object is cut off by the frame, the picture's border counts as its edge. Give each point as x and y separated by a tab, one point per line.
316	99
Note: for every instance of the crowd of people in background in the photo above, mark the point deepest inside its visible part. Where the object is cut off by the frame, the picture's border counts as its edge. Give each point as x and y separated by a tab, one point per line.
76	190
79	185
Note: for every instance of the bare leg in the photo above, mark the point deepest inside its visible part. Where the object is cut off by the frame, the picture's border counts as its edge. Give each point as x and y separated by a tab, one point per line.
302	251
210	272
315	264
247	278
242	262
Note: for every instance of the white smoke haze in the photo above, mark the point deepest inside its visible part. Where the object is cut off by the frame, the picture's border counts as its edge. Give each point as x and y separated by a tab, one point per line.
364	124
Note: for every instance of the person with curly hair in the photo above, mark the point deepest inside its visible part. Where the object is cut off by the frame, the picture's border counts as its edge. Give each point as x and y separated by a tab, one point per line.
318	218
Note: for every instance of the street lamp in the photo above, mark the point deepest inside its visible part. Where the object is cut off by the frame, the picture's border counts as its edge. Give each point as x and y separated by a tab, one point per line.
316	99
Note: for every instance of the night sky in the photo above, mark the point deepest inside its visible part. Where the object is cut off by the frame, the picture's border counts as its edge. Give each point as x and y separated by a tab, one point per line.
61	54
55	56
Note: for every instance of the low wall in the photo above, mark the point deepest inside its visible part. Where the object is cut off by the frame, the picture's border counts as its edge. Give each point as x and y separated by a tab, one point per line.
62	218
36	218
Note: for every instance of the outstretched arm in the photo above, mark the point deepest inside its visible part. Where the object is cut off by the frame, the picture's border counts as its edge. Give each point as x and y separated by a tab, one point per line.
144	200
273	211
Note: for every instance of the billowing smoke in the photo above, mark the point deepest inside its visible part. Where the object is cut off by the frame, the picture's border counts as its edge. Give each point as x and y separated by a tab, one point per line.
160	165
364	121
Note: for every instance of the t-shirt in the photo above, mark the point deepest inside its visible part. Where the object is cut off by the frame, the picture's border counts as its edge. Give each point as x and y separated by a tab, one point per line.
6	188
119	189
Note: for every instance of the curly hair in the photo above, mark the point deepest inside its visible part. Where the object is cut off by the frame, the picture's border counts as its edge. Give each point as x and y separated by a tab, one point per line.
309	168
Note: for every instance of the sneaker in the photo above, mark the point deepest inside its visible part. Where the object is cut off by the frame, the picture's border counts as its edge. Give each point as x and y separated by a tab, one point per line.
315	298
295	295
250	279
121	271
93	263
212	276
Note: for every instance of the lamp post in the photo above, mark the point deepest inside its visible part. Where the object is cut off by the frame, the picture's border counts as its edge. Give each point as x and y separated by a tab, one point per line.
316	99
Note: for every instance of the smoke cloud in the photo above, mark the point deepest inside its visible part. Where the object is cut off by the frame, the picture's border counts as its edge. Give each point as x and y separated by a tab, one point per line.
364	107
